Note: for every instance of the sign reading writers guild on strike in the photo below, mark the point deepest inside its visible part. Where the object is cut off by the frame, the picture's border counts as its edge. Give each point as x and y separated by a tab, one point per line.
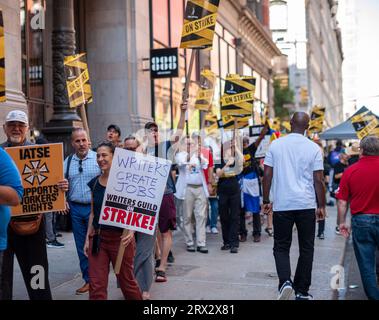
41	168
134	191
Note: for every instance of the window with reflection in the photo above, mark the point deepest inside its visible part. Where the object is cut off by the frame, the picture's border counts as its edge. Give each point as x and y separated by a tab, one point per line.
32	59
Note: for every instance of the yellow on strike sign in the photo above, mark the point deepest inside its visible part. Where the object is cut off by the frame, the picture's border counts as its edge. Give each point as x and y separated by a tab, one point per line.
199	24
77	80
41	168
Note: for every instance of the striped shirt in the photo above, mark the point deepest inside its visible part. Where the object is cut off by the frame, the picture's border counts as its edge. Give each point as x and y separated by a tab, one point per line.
78	189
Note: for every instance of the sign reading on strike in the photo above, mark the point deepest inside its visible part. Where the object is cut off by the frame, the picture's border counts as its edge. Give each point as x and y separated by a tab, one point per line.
134	191
41	168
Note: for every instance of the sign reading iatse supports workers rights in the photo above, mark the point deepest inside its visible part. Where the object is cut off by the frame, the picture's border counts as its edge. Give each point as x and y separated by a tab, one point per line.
134	191
77	80
41	168
238	97
199	24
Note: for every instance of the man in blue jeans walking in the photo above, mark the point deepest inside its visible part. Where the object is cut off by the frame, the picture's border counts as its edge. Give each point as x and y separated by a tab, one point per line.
80	168
360	187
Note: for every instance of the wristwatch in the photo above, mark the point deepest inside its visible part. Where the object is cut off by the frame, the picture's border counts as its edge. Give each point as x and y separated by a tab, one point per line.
266	202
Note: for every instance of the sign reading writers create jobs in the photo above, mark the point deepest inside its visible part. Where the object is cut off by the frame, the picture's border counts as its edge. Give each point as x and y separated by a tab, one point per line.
41	168
134	191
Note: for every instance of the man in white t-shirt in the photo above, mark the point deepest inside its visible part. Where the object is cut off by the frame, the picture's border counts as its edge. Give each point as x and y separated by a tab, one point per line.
294	173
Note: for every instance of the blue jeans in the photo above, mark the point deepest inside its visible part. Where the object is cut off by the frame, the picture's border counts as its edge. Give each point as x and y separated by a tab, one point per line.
212	217
79	217
365	230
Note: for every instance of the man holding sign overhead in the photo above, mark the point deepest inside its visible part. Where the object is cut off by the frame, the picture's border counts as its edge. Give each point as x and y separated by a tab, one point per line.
167	213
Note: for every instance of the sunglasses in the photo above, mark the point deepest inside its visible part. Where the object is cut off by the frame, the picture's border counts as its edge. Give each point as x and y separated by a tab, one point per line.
80	166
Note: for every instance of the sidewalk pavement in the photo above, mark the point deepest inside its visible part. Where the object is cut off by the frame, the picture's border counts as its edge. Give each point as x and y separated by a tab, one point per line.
248	275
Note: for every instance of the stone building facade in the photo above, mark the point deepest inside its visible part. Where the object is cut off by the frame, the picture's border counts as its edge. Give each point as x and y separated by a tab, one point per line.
117	36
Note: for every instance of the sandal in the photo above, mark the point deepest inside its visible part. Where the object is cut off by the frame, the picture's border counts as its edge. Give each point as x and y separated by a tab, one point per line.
160	276
269	232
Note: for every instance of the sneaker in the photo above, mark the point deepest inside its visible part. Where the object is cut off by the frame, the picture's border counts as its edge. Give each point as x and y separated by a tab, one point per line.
225	247
214	230
338	230
234	250
285	291
257	238
55	244
202	249
83	289
321	236
208	229
170	257
300	296
191	248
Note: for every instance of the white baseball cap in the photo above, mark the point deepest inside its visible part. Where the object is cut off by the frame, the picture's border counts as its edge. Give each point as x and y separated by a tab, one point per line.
17	115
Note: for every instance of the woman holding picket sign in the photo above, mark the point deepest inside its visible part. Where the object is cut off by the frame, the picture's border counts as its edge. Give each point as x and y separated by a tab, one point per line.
103	242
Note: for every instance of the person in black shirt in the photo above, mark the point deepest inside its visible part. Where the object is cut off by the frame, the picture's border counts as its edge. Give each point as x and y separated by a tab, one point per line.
251	188
229	193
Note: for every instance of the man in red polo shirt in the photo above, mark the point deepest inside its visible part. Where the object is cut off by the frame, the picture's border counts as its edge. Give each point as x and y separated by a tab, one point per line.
360	187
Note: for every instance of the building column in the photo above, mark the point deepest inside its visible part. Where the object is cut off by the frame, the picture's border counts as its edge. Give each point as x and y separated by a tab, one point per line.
64	118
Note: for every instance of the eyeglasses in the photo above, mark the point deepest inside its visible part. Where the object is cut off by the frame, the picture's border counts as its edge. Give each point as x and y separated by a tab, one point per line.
80	166
131	149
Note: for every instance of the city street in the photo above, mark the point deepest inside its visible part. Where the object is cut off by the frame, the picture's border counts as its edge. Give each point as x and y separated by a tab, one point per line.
248	275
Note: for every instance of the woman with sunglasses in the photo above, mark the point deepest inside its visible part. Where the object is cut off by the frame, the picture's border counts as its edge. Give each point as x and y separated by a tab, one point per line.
102	242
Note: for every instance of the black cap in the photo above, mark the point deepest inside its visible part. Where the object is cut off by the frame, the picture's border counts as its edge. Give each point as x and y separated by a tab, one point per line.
150	125
115	128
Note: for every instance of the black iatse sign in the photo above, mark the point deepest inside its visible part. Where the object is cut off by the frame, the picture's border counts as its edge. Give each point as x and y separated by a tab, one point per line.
164	63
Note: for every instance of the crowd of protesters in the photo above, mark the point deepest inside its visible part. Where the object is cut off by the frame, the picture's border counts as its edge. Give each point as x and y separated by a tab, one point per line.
287	187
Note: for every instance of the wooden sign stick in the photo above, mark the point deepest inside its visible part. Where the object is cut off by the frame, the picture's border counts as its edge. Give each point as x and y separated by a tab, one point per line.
83	115
120	254
186	94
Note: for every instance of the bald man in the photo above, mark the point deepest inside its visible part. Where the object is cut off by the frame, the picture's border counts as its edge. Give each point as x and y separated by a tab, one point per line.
294	174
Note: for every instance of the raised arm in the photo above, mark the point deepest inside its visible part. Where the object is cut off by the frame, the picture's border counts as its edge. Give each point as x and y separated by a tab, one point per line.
261	136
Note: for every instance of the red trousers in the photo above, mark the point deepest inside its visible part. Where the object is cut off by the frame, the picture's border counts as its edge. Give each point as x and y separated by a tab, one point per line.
99	267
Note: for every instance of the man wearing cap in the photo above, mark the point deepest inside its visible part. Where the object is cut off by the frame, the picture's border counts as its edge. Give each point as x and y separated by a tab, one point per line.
167	213
114	135
30	249
353	152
